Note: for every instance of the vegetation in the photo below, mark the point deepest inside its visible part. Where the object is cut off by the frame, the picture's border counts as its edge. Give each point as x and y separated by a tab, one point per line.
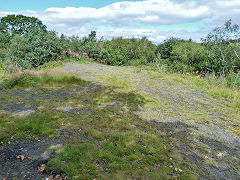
25	43
103	136
104	142
18	24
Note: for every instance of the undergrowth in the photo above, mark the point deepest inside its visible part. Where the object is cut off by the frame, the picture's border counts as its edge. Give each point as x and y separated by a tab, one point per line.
217	87
107	139
32	79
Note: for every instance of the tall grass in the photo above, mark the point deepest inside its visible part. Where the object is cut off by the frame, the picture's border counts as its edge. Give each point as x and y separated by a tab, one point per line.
32	79
217	87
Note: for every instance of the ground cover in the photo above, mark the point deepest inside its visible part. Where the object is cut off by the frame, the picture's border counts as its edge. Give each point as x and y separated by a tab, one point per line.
57	125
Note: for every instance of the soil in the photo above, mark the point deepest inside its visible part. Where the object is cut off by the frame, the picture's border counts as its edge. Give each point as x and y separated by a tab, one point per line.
193	121
213	150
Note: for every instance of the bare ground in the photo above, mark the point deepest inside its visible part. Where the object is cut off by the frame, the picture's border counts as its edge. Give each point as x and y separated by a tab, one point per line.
195	122
200	127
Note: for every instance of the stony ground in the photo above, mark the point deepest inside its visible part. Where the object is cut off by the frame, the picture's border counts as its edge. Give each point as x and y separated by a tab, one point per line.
201	127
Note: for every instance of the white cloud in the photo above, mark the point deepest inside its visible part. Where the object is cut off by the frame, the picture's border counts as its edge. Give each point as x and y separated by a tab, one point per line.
227	3
153	35
129	18
122	13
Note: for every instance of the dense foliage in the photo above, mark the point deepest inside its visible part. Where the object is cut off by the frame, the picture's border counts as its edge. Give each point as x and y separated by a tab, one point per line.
25	43
18	24
118	51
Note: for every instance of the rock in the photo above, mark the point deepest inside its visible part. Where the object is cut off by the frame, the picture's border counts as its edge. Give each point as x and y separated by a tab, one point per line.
65	108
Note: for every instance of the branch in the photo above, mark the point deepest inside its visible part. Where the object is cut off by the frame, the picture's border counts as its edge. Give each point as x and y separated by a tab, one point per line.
234	50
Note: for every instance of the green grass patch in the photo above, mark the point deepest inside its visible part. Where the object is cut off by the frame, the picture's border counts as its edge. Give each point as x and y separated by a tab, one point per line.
105	140
35	125
32	80
118	156
216	89
56	64
117	82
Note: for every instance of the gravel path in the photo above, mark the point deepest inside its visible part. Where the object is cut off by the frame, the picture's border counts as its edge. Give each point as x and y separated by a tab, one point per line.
193	121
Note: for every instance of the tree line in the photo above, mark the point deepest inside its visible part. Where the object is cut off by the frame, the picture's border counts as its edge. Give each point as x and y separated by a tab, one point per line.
25	41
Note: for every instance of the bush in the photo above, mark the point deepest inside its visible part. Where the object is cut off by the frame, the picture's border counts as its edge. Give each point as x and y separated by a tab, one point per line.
121	51
36	48
165	49
223	42
187	57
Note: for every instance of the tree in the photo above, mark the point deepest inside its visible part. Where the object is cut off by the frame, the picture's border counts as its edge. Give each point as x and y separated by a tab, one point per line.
92	36
19	24
4	35
224	41
166	47
36	48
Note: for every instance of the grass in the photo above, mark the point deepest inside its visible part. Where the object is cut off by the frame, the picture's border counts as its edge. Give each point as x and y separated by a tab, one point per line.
106	141
43	124
210	85
33	79
116	82
56	64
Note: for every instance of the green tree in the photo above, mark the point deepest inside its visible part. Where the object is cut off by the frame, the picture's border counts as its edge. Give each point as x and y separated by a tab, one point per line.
36	48
4	35
165	49
224	42
19	24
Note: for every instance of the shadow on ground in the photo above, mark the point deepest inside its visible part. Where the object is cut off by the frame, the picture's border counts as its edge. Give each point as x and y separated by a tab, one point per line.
211	159
23	155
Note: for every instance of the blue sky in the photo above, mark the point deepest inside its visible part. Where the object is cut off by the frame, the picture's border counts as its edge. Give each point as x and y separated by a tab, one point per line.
156	19
37	5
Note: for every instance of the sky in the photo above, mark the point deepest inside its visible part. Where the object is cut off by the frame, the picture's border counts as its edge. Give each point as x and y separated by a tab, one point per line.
155	19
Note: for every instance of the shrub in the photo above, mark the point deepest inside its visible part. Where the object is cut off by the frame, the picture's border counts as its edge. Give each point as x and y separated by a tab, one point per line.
165	49
35	49
223	42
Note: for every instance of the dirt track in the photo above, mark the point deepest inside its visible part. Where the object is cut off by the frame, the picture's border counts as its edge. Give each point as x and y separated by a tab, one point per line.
193	120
